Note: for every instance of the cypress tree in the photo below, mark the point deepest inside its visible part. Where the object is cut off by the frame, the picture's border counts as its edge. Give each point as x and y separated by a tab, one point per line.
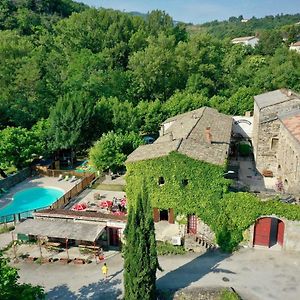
141	261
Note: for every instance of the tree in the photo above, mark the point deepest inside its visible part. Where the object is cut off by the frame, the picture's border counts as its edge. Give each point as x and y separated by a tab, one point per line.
10	289
70	122
18	146
111	151
140	253
153	70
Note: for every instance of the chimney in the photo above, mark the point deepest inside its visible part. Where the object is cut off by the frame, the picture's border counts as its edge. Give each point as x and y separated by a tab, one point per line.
208	135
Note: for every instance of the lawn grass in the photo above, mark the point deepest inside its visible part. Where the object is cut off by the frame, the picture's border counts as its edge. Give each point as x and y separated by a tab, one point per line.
109	187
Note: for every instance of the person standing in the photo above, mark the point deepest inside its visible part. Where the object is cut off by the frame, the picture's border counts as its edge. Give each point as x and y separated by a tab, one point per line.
105	270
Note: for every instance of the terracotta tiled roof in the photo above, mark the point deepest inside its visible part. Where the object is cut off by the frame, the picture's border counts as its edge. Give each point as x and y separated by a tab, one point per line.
292	123
296	44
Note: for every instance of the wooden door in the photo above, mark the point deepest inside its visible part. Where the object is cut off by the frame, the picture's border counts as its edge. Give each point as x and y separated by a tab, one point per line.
262	232
155	214
192	224
280	233
114	239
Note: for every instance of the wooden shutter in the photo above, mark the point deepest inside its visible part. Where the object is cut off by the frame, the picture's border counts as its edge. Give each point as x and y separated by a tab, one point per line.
171	218
156	214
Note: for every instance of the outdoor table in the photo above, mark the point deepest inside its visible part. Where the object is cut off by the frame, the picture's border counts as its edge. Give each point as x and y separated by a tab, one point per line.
53	244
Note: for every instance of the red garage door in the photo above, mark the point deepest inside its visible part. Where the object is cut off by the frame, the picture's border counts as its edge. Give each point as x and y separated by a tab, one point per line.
262	232
280	233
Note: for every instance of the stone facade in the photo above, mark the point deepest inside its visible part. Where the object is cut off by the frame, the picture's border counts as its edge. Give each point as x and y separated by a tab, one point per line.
291	237
12	180
288	161
267	128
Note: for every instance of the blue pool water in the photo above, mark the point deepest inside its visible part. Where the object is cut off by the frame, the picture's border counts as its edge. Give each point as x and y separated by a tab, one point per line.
30	199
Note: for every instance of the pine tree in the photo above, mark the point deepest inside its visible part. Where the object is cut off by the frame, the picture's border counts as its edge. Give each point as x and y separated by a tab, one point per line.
140	253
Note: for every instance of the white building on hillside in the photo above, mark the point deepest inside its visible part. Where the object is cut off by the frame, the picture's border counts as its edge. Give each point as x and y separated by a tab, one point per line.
246	40
295	47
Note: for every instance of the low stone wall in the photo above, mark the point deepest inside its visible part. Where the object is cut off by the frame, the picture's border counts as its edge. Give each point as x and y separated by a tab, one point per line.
291	240
12	180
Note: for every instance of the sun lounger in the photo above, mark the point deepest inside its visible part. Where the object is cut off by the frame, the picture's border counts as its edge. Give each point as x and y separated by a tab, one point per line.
67	178
60	177
73	178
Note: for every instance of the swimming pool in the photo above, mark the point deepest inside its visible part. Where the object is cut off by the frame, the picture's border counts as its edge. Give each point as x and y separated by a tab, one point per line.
30	199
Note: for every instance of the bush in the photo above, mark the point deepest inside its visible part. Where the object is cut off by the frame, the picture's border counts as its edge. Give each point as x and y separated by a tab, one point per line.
4	229
229	295
165	248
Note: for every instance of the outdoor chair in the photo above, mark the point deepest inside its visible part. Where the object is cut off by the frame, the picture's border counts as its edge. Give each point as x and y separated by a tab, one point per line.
60	177
67	178
73	178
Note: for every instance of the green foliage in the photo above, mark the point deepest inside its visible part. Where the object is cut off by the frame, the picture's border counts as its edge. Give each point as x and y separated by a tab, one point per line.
4	229
70	120
140	256
228	295
206	195
91	71
10	289
165	248
234	28
111	151
18	146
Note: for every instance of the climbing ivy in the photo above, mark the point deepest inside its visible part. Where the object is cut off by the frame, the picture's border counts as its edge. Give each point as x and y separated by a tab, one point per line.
196	187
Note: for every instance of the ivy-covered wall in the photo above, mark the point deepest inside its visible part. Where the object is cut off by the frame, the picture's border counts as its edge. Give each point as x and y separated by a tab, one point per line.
192	186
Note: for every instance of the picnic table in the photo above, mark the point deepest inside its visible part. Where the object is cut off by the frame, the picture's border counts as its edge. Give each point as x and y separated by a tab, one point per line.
53	244
90	248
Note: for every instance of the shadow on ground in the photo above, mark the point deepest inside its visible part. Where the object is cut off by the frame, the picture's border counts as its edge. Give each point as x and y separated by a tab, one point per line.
193	271
103	289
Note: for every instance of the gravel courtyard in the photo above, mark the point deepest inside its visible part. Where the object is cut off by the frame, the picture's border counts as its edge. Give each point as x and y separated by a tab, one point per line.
254	274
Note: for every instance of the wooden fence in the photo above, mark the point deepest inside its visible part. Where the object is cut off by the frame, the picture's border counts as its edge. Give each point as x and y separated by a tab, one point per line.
78	188
56	173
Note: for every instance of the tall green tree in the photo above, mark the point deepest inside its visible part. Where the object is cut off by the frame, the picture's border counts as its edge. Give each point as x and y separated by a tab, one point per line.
140	253
111	151
19	145
70	122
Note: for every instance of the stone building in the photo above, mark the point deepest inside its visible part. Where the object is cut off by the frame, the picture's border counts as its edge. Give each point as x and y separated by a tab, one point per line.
288	152
199	136
267	128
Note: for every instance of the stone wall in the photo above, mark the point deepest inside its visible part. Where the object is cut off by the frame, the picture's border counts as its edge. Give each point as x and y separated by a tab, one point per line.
12	180
291	240
288	161
266	128
291	237
205	230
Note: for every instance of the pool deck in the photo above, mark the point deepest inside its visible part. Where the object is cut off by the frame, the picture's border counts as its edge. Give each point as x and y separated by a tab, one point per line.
36	181
89	197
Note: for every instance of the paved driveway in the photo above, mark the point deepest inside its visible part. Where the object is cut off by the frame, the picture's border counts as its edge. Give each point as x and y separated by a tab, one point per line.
255	274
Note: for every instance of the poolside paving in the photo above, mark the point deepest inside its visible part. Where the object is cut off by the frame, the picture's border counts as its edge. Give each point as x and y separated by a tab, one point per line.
37	181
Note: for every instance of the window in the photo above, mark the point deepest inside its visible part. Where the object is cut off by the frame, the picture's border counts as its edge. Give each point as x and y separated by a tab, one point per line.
184	182
274	144
161	181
